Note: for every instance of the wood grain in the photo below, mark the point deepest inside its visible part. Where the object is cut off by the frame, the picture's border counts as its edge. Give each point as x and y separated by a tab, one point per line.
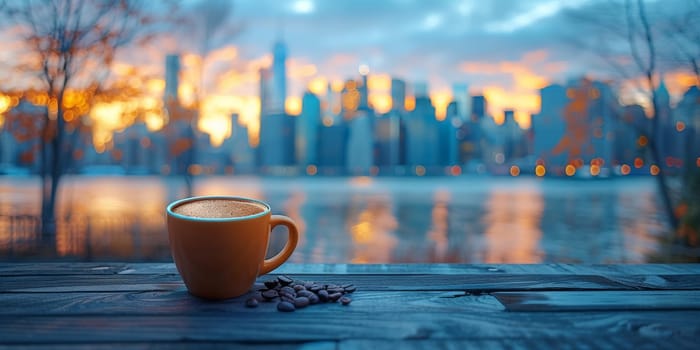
348	324
182	303
600	300
60	268
95	305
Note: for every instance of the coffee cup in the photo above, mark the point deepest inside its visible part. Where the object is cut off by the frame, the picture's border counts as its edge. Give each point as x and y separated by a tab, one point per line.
219	243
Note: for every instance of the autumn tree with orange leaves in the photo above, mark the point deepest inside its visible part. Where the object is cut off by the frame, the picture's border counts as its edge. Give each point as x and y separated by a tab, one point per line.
64	53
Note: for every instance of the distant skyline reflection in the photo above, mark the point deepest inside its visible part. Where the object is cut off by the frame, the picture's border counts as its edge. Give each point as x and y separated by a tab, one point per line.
467	219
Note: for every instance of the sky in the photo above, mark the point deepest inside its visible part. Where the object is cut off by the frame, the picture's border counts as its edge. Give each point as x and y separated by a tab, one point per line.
504	49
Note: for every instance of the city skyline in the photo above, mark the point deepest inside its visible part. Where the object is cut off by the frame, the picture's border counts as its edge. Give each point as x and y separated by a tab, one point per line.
505	50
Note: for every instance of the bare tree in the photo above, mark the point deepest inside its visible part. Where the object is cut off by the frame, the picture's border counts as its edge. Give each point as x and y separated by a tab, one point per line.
634	42
69	46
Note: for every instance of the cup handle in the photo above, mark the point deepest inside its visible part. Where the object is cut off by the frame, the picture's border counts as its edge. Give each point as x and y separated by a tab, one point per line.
277	260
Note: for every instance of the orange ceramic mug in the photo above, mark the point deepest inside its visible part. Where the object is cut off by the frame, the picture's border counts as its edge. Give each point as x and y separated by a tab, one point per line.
219	243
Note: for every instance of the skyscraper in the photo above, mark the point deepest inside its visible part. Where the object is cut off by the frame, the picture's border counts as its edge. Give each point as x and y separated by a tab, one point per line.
460	95
398	95
422	132
363	89
265	92
172	79
279	77
548	124
308	123
478	107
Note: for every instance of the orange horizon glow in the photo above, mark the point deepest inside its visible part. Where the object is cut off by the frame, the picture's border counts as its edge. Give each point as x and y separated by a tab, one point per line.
230	88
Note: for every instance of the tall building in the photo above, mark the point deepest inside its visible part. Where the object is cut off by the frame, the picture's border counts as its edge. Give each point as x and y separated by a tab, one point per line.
279	77
264	92
308	123
448	135
470	135
576	127
548	124
664	135
514	141
276	148
172	78
241	153
478	107
360	145
332	145
460	95
422	138
687	116
363	89
627	147
387	137
398	95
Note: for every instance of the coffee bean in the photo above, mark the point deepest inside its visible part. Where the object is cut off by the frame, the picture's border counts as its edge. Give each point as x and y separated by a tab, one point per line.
285	306
345	300
271	284
284	280
334	296
299	287
335	290
270	294
349	288
323	295
288	290
331	286
301	302
315	288
304	293
308	285
252	302
287	298
313	298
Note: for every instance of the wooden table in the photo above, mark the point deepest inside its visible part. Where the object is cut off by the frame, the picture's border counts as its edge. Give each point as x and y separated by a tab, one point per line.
95	305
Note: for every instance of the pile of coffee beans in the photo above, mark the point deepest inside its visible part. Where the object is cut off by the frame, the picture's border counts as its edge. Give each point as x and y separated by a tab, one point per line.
293	294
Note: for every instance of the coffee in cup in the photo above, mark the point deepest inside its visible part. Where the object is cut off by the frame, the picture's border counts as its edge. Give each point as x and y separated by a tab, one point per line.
219	243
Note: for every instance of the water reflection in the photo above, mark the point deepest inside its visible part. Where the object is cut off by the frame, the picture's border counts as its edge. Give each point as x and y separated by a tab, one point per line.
513	226
371	224
362	220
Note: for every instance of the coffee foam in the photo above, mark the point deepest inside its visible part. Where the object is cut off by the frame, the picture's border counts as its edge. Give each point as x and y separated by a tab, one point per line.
218	208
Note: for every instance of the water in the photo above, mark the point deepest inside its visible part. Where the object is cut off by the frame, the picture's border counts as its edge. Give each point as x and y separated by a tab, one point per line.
361	220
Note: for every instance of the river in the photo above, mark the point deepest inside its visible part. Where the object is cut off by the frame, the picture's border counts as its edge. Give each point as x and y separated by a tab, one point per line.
464	219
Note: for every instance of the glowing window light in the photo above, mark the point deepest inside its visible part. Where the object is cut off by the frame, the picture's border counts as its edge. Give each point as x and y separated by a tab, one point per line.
642	141
420	170
540	170
455	170
625	169
697	162
595	170
514	170
311	170
570	170
654	170
680	126
638	162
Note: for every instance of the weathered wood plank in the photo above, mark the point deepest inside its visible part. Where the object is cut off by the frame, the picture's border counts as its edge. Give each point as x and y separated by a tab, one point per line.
600	300
368	282
61	268
182	303
332	345
506	342
472	283
305	327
